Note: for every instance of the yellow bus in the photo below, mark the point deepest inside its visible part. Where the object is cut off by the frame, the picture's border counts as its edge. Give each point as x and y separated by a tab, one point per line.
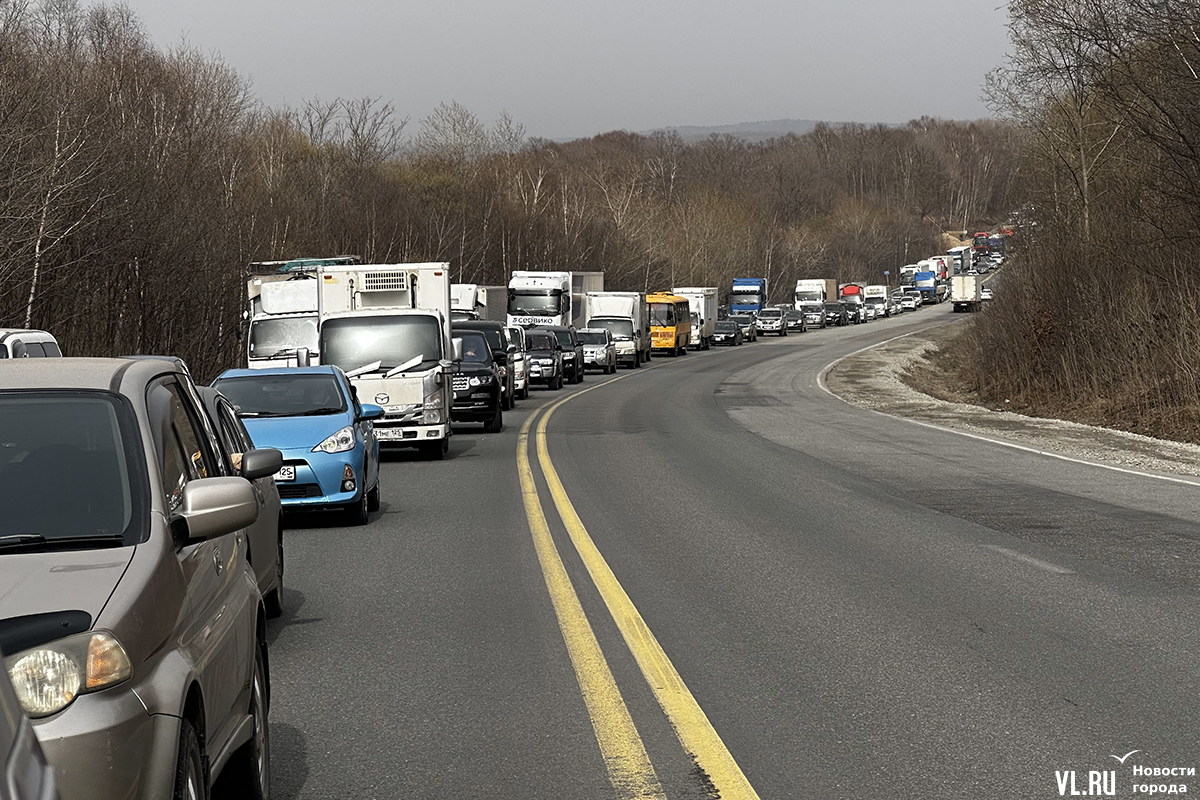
670	322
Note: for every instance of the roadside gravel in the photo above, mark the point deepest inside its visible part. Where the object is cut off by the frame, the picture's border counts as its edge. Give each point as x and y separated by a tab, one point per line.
878	379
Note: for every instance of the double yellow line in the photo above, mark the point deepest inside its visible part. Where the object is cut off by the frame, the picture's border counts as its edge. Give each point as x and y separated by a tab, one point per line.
629	767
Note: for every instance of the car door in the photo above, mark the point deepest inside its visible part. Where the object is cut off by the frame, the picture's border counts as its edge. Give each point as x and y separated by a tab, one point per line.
216	636
264	537
366	434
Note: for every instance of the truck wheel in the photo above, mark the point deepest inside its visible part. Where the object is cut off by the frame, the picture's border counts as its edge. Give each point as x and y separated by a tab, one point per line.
435	451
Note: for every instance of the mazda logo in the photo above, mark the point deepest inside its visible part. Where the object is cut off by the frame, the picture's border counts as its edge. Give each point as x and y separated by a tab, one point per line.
382	398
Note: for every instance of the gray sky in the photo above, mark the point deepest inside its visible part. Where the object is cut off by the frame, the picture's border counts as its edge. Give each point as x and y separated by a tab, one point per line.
565	68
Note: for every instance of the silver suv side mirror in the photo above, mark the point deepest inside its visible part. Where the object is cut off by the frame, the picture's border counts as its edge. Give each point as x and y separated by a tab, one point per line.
213	507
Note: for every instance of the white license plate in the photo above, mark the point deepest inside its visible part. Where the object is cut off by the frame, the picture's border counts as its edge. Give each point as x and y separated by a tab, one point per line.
286	473
389	433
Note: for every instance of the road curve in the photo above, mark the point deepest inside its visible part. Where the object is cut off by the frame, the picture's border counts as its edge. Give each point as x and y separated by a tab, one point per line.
860	606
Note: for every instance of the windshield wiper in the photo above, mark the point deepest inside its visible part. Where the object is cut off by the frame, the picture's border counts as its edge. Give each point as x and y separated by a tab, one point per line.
364	369
314	412
412	362
36	541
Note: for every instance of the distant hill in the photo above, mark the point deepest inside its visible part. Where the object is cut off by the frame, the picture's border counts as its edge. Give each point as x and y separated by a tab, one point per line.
750	131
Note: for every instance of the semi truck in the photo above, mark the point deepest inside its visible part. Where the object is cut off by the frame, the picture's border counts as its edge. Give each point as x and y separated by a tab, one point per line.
996	245
388	327
961	257
908	274
926	283
282	311
747	294
703	303
966	292
980	243
485	302
815	290
627	317
550	298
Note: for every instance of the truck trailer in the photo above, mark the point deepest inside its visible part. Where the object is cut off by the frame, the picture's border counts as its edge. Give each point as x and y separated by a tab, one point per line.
703	302
282	313
966	292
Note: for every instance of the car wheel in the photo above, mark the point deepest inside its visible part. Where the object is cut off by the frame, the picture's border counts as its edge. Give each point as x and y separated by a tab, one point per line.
579	375
274	601
248	773
357	511
373	498
189	766
496	423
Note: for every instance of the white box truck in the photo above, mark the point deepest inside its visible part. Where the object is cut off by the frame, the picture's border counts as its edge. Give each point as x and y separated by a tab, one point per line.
703	302
550	298
388	327
815	290
282	311
483	302
627	316
966	292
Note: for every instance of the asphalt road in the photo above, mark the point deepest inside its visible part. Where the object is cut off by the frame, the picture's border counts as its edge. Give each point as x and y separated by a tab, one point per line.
855	605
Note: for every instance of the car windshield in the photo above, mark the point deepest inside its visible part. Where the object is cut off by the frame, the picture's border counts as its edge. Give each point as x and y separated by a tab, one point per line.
494	337
353	342
590	337
564	338
662	314
770	313
534	301
539	341
271	395
742	319
726	327
833	306
282	336
476	349
813	309
67	471
618	327
745	298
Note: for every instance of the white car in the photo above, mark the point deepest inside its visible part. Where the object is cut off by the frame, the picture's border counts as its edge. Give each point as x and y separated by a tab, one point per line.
985	293
599	349
24	343
515	337
908	303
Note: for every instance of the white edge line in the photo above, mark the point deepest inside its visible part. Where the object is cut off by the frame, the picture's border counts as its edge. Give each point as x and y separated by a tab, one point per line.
825	388
1026	559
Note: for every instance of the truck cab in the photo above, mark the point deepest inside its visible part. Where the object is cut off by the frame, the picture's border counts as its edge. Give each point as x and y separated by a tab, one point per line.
388	327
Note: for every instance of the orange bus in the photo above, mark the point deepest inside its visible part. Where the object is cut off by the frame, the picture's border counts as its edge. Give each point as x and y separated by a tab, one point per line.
670	322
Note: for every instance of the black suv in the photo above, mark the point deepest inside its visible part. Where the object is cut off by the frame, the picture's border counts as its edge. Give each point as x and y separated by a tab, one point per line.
572	351
477	385
835	314
498	342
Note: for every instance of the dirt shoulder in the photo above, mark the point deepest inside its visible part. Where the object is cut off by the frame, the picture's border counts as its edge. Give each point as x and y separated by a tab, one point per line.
890	379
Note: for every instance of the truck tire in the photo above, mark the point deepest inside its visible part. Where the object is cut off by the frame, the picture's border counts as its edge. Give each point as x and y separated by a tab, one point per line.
434	451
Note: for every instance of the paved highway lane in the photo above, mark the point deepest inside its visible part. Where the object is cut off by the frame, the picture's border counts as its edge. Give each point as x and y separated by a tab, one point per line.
847	620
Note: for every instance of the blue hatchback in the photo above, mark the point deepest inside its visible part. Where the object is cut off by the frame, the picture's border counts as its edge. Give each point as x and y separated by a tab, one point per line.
330	451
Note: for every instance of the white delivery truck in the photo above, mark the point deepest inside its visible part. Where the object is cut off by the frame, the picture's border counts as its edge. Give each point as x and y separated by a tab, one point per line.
703	303
550	298
816	290
960	258
282	313
966	292
484	302
877	295
388	327
627	317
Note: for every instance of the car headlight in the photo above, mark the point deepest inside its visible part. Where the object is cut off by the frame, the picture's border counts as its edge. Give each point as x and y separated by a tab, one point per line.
49	678
482	380
339	442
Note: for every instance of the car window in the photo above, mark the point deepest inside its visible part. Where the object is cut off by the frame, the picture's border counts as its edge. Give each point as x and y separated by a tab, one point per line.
52	349
34	350
182	454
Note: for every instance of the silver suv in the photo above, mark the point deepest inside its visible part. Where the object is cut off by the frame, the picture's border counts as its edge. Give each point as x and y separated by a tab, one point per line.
132	625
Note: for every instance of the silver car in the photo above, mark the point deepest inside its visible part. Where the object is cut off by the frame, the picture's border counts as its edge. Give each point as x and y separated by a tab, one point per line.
599	349
132	624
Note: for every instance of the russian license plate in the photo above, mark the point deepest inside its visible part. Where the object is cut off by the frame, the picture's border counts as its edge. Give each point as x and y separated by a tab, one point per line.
286	473
389	433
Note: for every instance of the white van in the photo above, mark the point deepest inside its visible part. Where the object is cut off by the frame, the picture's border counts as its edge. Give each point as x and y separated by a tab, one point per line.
19	343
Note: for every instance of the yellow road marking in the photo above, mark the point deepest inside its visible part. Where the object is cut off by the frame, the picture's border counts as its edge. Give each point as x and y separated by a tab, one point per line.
692	726
629	767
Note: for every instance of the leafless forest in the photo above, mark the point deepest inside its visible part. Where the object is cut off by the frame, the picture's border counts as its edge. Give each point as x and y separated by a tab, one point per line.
137	183
1100	319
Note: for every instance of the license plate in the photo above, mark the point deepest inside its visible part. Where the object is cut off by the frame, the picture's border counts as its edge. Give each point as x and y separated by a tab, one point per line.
286	473
389	433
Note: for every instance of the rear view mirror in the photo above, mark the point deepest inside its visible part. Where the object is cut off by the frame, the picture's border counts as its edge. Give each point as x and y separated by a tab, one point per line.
500	357
303	357
213	507
261	462
456	349
371	411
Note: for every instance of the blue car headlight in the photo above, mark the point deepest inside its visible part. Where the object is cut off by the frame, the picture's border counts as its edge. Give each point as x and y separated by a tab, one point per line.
339	442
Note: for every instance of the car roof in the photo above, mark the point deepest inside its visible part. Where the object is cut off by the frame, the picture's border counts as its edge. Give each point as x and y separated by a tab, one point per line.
103	374
478	324
321	369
